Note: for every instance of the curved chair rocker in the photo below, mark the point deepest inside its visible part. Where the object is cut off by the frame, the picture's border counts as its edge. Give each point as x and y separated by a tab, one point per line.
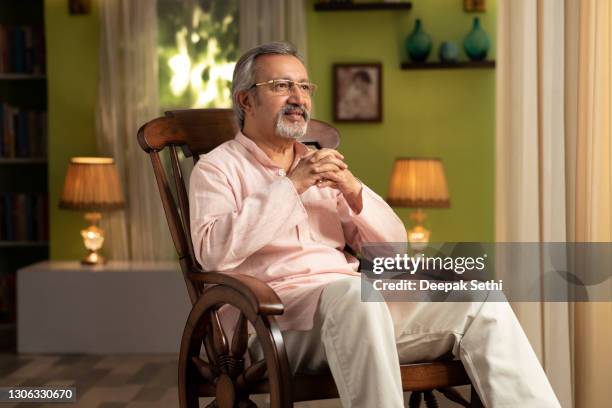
223	374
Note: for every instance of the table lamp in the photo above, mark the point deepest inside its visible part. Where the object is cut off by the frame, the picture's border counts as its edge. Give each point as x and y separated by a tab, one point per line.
92	185
418	183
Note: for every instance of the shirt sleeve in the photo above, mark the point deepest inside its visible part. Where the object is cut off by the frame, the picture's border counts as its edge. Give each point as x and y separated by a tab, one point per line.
375	223
223	233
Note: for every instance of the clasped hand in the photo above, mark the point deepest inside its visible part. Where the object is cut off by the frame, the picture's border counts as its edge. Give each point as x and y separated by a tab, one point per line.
326	168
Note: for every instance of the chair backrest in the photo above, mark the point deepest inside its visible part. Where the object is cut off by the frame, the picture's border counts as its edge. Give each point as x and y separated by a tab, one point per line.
196	132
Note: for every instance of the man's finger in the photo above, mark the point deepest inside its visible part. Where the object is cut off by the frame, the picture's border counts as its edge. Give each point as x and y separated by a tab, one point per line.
320	154
326	168
334	160
331	176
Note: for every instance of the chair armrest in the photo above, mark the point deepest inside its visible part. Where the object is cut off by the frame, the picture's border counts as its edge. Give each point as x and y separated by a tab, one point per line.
262	297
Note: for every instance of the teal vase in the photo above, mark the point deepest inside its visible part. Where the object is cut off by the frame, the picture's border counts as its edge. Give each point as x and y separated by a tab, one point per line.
448	52
476	43
418	43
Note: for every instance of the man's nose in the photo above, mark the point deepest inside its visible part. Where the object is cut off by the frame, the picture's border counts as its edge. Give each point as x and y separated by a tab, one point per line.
296	96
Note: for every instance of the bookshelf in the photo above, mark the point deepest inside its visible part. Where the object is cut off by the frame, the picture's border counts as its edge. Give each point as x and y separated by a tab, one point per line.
24	204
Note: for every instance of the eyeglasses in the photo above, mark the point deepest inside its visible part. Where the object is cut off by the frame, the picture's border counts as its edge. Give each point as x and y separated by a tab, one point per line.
286	86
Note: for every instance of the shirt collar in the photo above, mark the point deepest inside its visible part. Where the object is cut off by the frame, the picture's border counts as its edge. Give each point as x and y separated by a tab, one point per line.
300	151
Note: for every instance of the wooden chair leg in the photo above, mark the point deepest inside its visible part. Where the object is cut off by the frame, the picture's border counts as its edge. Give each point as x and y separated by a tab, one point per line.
430	399
415	399
475	401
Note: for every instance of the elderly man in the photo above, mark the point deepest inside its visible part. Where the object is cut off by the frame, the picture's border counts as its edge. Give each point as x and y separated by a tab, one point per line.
262	204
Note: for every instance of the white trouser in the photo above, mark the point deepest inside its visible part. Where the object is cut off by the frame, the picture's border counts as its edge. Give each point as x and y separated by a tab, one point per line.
363	344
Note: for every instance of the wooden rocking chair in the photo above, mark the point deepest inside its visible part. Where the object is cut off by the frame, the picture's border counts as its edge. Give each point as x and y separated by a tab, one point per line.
223	374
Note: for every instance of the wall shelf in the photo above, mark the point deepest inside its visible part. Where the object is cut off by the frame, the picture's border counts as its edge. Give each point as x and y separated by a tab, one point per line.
338	6
18	77
448	65
23	160
23	244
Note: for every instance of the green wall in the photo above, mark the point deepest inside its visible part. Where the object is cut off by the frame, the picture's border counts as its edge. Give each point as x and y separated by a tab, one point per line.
444	113
435	113
72	64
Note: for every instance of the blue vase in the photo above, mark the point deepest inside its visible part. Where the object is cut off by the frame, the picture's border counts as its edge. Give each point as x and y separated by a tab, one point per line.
448	52
418	43
476	43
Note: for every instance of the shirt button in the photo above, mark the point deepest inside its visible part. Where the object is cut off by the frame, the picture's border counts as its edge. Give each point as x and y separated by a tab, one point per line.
281	172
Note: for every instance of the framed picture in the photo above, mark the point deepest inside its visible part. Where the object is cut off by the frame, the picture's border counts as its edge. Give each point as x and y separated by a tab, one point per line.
79	6
474	5
357	92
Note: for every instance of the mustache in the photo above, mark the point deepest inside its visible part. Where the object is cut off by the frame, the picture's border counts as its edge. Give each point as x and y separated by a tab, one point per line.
292	106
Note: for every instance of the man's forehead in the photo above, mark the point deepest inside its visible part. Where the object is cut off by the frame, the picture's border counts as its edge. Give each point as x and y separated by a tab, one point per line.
280	67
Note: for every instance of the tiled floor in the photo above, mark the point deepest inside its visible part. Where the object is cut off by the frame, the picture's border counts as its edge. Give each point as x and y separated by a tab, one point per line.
116	381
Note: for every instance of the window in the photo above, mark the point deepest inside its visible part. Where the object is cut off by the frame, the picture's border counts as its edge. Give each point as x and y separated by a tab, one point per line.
198	49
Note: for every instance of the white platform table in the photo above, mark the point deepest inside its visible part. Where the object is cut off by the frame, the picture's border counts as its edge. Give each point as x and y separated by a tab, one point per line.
121	307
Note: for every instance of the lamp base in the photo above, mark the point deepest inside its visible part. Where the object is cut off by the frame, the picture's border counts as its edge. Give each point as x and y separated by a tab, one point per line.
93	258
418	236
93	238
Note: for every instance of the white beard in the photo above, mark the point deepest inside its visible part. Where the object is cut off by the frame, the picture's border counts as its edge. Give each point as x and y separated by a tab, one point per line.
289	130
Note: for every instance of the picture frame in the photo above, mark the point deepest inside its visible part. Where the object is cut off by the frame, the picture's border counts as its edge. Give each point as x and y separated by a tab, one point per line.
76	7
357	92
474	5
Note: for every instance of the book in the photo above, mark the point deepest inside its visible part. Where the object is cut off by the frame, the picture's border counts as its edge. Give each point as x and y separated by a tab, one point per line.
22	49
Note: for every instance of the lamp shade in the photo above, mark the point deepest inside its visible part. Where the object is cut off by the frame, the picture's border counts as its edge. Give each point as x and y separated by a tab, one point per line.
92	184
418	183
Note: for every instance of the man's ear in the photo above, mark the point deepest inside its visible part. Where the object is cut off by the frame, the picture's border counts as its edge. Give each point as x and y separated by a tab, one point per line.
245	99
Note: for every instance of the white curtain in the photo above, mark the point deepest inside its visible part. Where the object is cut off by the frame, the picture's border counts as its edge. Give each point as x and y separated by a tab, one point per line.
589	110
127	98
263	21
553	174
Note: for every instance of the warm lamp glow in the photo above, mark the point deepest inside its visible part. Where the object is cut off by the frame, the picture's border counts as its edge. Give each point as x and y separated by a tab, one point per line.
93	238
418	183
92	185
92	160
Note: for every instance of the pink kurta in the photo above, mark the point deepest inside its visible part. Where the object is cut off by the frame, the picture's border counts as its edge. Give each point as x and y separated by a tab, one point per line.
247	218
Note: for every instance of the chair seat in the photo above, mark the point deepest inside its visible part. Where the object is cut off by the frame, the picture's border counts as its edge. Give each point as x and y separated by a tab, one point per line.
415	377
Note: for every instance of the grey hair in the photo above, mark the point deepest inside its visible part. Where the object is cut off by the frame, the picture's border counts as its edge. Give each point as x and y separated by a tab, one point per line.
244	71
